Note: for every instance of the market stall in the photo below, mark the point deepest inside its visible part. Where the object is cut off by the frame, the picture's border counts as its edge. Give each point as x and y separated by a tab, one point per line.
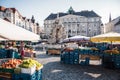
111	55
73	55
10	31
78	38
107	37
12	67
2	39
17	69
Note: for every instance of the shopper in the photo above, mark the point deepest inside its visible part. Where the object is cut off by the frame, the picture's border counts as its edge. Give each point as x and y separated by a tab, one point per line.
22	51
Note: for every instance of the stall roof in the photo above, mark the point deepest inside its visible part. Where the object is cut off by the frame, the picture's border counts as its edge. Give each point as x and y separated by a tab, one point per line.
2	39
13	32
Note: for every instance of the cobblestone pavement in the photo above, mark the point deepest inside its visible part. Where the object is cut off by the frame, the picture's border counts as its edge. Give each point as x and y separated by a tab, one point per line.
54	70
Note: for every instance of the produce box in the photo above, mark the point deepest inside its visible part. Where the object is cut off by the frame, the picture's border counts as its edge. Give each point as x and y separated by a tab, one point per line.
39	75
8	64
6	70
92	57
4	60
54	51
29	70
5	76
23	76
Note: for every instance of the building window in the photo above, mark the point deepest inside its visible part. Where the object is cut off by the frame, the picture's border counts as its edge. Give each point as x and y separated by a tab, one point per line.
69	31
30	29
7	14
69	36
19	24
22	26
68	25
78	31
78	25
73	31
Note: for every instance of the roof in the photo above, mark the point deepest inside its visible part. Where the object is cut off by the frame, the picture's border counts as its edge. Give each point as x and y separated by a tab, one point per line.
53	16
7	19
82	13
13	9
87	13
118	23
2	8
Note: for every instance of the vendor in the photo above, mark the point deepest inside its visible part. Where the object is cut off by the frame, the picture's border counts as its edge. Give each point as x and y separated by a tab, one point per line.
22	51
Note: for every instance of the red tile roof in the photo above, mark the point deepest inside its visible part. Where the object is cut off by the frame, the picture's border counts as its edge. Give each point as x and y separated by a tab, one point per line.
13	9
2	8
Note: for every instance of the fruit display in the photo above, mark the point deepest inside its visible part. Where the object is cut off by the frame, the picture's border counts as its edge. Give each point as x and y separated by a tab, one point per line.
17	66
68	49
12	63
94	49
29	63
17	70
112	51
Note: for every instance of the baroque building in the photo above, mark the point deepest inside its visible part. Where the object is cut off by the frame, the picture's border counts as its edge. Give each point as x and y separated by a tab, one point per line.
86	23
12	15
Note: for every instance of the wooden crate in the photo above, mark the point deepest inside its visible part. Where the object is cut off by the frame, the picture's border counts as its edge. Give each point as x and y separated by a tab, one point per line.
92	57
5	76
53	51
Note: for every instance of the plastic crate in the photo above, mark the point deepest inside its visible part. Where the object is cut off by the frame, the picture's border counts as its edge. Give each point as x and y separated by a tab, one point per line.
82	63
6	70
117	65
39	75
23	76
3	53
16	76
87	60
67	61
17	55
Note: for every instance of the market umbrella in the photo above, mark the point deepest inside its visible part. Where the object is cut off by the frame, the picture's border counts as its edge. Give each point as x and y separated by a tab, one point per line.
77	38
107	37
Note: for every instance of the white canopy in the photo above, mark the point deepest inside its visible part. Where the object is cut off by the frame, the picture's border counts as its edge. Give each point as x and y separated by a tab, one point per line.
13	32
77	38
2	39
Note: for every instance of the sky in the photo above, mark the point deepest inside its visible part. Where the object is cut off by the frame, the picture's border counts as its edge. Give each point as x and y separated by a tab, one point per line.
41	9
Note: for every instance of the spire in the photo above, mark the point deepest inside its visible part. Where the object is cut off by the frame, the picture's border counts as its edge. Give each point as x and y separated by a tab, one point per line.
32	19
110	17
70	10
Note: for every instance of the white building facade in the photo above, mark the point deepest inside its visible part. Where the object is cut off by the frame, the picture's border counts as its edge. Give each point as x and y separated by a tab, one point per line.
86	23
13	16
